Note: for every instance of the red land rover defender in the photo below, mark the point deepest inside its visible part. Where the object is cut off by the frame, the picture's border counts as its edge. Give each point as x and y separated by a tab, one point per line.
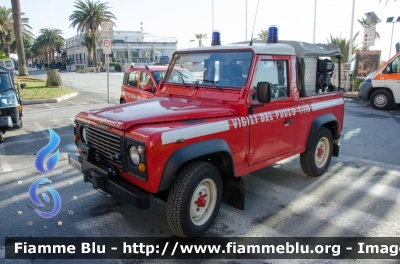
254	105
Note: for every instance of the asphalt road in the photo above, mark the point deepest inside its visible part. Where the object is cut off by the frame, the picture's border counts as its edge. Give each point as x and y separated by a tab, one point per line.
357	197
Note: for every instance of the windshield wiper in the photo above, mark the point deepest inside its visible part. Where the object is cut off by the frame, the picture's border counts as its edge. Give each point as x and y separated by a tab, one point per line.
212	82
183	75
6	90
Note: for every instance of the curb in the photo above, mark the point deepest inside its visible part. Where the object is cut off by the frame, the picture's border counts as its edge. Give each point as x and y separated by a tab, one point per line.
51	100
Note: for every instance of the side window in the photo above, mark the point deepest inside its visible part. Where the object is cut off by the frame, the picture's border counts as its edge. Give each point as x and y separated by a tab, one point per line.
158	76
274	72
133	78
146	79
126	79
396	65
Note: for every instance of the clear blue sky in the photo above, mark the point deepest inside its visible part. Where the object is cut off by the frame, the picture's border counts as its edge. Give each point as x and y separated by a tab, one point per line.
183	18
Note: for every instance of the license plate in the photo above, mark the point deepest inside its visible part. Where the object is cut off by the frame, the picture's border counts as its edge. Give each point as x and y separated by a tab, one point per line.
76	164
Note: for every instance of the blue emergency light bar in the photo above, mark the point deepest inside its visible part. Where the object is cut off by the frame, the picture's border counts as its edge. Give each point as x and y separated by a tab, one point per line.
272	34
216	38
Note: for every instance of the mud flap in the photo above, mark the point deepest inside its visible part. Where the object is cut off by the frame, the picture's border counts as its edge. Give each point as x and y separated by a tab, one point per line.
234	192
336	146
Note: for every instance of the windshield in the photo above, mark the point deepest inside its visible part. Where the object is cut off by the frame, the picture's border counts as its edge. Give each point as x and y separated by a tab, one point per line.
5	82
7	94
181	76
216	69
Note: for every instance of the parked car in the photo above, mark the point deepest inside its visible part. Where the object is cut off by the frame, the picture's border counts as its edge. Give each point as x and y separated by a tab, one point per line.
9	65
142	82
10	103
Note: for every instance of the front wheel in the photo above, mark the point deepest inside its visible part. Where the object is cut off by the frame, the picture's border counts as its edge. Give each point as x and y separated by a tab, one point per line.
315	161
381	100
194	199
123	101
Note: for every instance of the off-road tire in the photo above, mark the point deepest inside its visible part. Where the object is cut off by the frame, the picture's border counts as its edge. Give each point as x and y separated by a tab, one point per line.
195	179
315	160
381	100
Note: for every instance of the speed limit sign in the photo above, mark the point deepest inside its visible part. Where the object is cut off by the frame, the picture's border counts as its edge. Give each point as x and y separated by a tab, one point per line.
106	46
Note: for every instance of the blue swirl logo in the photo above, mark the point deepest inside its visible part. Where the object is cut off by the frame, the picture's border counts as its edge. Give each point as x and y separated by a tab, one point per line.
45	151
35	198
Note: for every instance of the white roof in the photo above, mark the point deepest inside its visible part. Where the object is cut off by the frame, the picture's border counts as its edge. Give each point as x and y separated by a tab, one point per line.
258	48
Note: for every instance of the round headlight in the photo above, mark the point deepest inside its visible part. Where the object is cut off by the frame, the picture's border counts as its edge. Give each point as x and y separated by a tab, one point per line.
134	155
83	135
141	149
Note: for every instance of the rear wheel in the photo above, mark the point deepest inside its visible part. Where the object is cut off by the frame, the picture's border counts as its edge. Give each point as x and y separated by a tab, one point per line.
194	199
122	101
381	100
315	161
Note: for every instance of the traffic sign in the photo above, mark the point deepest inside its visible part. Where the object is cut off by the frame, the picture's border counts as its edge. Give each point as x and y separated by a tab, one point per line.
369	36
106	46
371	29
107	29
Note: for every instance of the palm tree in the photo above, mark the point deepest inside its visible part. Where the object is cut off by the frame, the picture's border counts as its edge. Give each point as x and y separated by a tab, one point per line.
49	41
7	28
263	34
38	51
343	45
88	43
200	38
16	8
3	55
88	17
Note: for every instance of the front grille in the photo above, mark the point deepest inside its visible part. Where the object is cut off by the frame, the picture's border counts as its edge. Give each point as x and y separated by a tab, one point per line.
108	147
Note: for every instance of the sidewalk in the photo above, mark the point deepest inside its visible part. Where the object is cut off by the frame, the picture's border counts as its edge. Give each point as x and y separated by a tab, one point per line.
50	100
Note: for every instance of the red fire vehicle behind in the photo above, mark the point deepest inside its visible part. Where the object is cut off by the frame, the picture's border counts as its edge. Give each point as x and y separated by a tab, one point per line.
250	106
142	82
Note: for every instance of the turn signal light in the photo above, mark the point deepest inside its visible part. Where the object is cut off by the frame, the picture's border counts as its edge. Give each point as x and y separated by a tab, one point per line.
76	137
142	167
20	108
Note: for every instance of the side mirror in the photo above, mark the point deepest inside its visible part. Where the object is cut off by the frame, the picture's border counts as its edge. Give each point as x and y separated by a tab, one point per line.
22	85
264	92
147	87
388	70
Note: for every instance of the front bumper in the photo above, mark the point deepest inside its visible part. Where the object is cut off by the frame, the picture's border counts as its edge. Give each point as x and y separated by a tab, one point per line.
363	90
105	179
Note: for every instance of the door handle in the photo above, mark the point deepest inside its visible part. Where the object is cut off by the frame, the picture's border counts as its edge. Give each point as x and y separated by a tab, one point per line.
288	122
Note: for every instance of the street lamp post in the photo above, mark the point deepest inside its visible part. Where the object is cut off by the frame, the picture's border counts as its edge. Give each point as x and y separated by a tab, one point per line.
315	19
391	20
212	15
351	35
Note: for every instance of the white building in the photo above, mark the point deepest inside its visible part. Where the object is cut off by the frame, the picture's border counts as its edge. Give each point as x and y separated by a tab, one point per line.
126	46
